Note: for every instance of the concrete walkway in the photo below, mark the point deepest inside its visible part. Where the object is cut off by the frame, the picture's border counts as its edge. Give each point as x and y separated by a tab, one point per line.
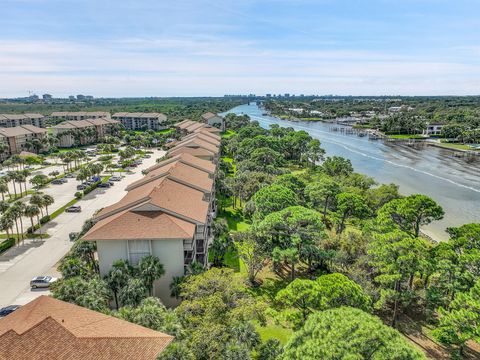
19	265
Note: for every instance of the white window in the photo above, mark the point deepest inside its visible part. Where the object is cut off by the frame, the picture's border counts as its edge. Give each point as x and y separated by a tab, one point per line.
137	249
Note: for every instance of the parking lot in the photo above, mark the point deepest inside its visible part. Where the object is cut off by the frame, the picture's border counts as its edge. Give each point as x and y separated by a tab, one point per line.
39	257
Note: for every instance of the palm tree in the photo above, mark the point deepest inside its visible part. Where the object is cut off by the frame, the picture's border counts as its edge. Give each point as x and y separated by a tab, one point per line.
3	148
12	176
18	209
47	201
37	199
6	223
32	211
150	269
118	277
3	188
4	206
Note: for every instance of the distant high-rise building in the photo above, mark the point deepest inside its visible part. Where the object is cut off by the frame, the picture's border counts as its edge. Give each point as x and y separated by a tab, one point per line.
80	97
47	97
88	97
269	95
287	95
71	97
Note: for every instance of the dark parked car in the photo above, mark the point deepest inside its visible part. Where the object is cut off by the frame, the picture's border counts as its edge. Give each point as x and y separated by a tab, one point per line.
57	182
8	310
81	187
70	175
115	178
104	185
73	209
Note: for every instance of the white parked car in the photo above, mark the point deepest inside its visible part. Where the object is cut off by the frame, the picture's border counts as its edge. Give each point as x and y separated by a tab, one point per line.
42	282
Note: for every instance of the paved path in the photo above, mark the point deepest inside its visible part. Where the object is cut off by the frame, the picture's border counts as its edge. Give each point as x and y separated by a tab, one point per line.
19	266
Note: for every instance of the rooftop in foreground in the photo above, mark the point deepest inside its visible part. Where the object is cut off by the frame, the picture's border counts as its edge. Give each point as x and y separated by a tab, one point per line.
47	328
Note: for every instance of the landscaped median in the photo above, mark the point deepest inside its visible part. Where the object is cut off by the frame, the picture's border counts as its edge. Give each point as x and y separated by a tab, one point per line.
8	243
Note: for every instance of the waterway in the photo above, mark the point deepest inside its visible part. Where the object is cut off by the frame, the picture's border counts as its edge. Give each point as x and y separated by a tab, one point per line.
453	182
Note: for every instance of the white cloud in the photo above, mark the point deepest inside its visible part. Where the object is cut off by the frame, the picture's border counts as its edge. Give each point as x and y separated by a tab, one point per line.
217	65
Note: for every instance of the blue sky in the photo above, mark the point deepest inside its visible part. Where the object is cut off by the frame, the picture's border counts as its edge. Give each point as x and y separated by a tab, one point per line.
213	47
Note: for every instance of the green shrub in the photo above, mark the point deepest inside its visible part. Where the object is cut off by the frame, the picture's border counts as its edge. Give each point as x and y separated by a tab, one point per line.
45	219
79	194
7	244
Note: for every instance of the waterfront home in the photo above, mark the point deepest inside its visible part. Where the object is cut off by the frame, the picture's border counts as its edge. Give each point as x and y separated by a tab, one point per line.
47	328
214	120
433	129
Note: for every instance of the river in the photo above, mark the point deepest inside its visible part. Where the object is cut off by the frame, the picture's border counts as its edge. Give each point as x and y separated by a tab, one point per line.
451	181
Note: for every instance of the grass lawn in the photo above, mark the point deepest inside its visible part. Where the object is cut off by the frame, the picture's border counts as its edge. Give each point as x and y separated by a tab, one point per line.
456	146
406	136
273	331
228	133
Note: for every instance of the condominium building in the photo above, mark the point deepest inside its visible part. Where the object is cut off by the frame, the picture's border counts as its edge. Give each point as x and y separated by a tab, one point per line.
168	214
82	132
47	328
12	120
141	121
78	115
21	138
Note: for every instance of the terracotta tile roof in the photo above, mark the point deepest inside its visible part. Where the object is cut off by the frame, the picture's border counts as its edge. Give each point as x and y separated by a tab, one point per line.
208	115
197	152
73	124
211	129
197	142
173	197
205	131
80	113
204	137
180	172
188	159
194	126
47	328
159	116
136	225
34	129
34	116
97	122
186	123
21	130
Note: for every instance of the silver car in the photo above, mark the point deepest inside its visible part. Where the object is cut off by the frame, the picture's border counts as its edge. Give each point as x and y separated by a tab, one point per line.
42	282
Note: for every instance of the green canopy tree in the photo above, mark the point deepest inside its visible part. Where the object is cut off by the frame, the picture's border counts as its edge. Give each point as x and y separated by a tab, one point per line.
289	233
337	166
410	213
350	205
321	194
396	258
302	297
273	198
348	333
461	321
